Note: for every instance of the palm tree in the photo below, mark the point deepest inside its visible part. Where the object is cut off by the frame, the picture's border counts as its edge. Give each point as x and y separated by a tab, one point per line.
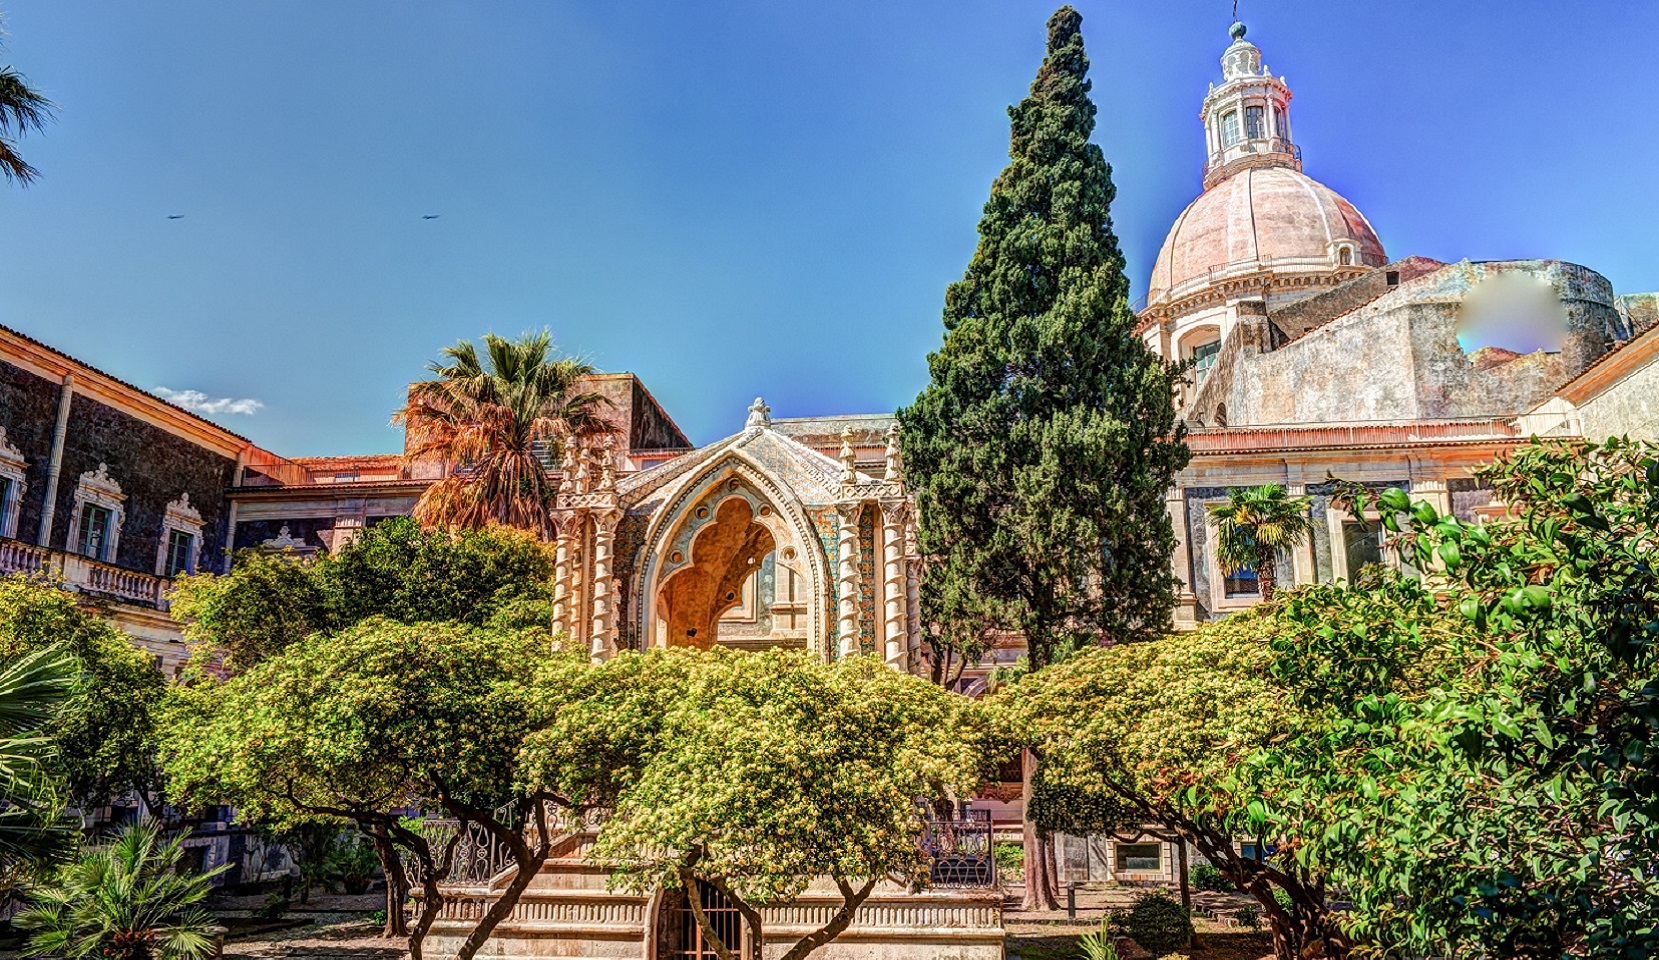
124	901
492	419
33	830
1253	525
21	109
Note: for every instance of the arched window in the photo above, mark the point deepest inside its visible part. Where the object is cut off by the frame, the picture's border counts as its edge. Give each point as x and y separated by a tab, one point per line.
1345	256
1221	415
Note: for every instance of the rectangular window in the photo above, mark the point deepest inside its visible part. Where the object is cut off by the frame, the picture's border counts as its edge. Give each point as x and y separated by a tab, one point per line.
5	507
179	545
1281	127
1255	123
1250	851
1362	542
1241	583
92	539
1140	856
1229	128
1203	356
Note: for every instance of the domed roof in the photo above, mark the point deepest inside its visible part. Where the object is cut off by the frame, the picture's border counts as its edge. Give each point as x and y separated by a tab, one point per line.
1272	219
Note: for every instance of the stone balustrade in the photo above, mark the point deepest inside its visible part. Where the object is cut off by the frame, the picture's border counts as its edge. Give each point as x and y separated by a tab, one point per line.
84	574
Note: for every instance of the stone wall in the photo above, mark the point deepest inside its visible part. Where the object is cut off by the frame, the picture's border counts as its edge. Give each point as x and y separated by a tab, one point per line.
153	467
1295	319
250	534
29	412
1397	357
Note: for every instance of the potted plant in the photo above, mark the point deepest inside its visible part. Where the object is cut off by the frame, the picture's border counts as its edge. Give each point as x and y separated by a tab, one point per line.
353	863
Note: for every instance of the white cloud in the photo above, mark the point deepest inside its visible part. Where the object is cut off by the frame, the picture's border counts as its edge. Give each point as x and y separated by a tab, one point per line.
198	402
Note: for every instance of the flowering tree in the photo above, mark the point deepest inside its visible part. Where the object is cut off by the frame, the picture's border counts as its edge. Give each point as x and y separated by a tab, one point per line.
757	774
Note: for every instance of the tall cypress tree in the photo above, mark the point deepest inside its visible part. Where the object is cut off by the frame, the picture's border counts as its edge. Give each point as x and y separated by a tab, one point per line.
1043	448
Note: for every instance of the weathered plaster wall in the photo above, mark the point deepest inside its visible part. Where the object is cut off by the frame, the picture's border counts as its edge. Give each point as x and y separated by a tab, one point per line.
1640	310
1629	407
1397	356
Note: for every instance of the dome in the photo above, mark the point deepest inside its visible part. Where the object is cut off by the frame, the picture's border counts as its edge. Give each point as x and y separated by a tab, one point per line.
1263	219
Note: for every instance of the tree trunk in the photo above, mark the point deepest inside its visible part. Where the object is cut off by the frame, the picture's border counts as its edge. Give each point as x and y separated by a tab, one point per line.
528	859
1186	884
397	885
851	900
1267	573
1039	895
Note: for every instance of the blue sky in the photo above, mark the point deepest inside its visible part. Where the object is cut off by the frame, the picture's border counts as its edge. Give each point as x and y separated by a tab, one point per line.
728	197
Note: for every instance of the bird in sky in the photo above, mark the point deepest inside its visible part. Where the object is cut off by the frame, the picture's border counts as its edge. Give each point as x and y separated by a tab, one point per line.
430	216
175	216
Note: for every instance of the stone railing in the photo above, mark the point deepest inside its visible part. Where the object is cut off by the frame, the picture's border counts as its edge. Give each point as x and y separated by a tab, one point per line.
84	574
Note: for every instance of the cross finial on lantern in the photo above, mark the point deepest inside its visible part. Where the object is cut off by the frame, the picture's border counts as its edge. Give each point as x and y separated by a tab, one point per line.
760	416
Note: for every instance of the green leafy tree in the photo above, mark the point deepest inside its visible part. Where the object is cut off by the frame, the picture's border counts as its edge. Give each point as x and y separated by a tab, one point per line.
396	569
495	416
34	687
761	773
1152	733
1043	447
371	722
22	108
1484	781
128	900
105	734
1253	525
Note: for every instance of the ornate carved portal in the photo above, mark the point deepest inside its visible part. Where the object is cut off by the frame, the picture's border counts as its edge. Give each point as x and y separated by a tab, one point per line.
725	555
734	560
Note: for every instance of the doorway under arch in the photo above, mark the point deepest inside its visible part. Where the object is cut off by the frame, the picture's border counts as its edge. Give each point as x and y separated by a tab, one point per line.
724	555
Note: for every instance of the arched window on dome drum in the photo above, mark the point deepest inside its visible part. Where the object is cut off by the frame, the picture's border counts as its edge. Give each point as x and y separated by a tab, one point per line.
1255	125
1281	124
1203	357
1229	128
1345	256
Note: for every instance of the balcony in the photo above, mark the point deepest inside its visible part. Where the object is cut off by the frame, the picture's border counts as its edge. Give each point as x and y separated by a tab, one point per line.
85	575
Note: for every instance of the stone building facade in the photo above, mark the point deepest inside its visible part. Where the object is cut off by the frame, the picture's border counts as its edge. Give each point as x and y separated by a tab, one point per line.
1315	359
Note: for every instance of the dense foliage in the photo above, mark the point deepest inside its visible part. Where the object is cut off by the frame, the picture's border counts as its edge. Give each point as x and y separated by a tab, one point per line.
1158	923
763	772
494	417
104	736
363	725
1486	780
129	899
34	687
1043	447
395	569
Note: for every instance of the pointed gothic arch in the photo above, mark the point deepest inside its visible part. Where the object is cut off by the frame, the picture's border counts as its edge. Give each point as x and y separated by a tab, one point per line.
671	543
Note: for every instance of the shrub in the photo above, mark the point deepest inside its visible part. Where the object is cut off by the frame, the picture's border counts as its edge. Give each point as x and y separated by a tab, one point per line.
1249	917
1205	876
351	864
1159	924
1100	945
1010	857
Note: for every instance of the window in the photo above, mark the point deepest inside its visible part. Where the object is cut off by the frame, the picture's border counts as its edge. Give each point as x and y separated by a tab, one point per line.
1250	851
1393	278
1203	357
6	527
1345	256
1362	542
92	536
180	547
1229	128
1140	856
1241	583
1281	126
13	470
1255	123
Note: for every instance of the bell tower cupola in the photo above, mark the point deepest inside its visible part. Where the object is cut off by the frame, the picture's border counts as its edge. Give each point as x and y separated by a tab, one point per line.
1246	118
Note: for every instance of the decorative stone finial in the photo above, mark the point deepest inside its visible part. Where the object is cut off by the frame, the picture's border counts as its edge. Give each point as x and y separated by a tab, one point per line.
895	457
607	465
583	470
760	416
849	459
1237	30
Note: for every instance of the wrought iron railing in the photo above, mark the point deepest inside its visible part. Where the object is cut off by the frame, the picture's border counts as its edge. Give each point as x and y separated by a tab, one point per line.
480	856
959	851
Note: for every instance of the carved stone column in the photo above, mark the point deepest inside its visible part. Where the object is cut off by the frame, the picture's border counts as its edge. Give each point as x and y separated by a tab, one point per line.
893	516
1304	569
846	580
913	593
563	561
602	640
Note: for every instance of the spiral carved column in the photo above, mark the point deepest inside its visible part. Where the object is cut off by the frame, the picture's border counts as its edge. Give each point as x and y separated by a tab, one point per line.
562	563
602	644
847	578
893	584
